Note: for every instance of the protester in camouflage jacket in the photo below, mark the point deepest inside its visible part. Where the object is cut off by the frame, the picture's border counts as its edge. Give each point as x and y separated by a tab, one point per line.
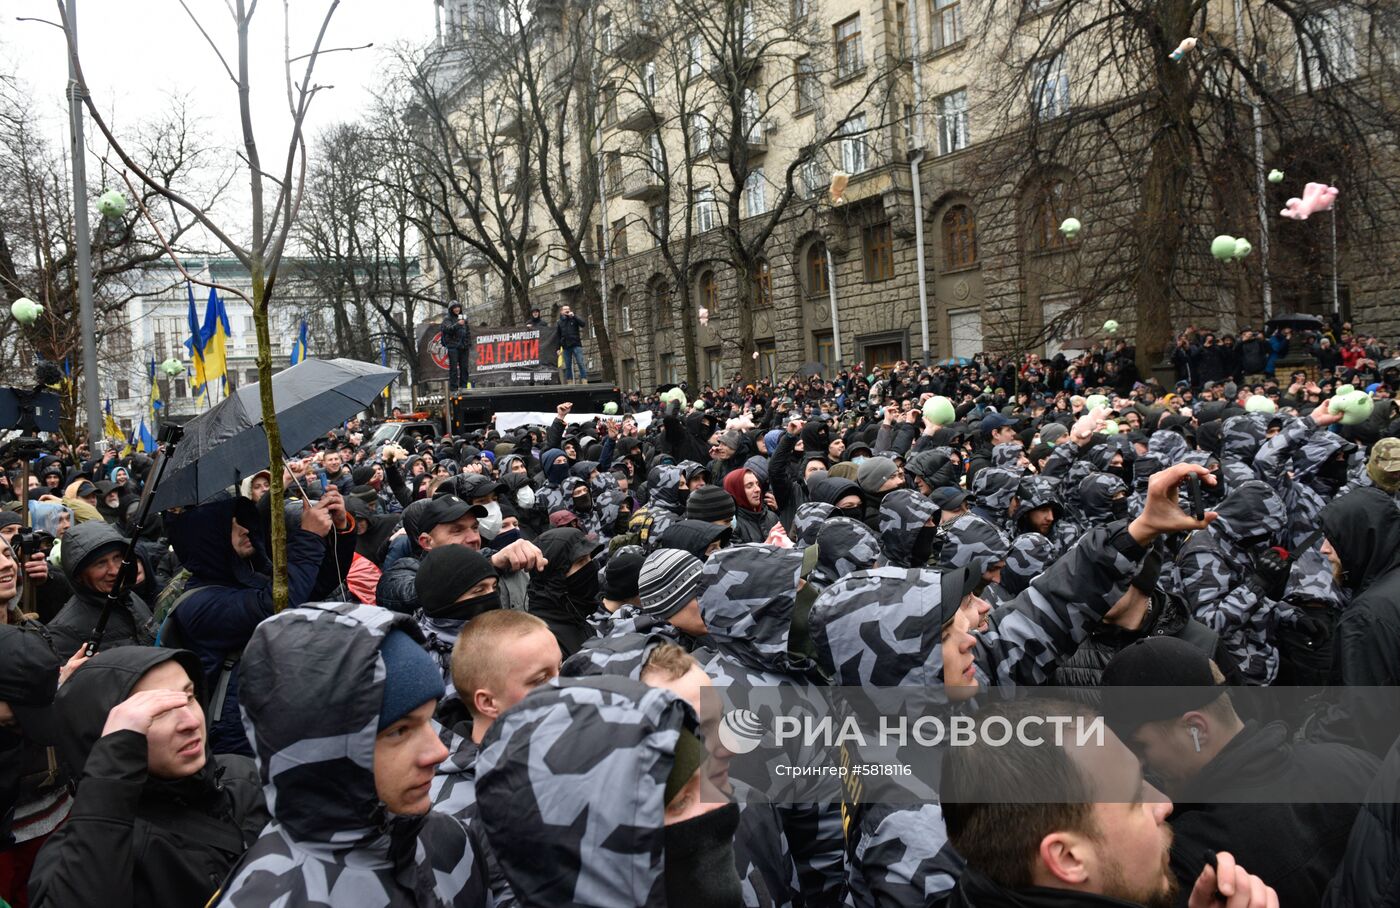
313	683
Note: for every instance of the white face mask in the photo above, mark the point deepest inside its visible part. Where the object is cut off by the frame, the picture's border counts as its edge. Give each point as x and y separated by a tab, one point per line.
490	525
525	498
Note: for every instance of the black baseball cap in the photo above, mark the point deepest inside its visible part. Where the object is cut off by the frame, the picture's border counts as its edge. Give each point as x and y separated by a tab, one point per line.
421	516
1179	671
996	420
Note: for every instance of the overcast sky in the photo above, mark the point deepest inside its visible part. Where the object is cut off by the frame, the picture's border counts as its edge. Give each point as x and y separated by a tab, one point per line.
136	53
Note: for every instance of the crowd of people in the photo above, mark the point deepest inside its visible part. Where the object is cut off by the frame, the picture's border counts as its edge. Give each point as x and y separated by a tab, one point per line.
489	684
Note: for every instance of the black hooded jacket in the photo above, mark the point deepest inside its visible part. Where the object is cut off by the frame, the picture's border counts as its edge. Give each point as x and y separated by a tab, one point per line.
28	677
551	595
1363	528
130	625
227	596
131	839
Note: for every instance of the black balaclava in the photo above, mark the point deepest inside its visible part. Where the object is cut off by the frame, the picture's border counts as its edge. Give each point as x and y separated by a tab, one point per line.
699	860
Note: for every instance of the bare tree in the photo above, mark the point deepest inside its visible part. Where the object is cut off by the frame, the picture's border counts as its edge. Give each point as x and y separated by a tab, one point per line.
272	213
37	247
1158	153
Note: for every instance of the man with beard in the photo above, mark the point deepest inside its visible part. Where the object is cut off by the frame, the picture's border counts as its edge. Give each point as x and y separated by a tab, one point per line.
1285	809
1107	846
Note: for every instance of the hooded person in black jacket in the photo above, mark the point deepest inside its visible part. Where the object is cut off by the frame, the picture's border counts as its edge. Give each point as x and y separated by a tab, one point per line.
1285	810
155	821
92	559
1362	530
566	591
28	679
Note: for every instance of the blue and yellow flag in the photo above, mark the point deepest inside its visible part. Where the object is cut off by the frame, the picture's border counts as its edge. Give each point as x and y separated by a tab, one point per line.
156	403
144	438
384	361
301	347
109	424
215	334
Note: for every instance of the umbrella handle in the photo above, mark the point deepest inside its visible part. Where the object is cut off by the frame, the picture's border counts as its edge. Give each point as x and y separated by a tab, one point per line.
126	577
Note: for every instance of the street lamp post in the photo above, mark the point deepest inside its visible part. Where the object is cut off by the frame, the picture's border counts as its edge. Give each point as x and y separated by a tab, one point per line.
82	240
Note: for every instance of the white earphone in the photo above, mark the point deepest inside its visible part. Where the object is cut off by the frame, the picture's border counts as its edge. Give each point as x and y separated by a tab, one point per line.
1196	738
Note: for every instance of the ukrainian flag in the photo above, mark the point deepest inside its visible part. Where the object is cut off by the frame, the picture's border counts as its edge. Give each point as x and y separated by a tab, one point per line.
215	335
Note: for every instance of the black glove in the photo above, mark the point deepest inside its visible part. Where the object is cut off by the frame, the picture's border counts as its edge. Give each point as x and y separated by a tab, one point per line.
1271	572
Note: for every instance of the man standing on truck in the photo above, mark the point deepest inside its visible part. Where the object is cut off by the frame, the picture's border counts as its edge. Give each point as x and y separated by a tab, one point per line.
571	343
456	339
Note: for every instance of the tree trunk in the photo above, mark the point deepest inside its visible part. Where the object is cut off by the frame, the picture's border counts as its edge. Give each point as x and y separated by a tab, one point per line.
278	543
1161	222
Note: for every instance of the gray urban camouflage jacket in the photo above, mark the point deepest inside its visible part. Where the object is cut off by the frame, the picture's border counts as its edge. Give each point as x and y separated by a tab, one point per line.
312	684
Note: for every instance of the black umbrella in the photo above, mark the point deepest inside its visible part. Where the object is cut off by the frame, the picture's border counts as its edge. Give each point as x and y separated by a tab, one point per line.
227	443
1388	364
1303	321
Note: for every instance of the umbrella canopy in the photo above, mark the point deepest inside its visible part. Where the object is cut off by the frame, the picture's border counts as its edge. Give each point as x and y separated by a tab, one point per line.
955	361
227	443
1388	364
1300	320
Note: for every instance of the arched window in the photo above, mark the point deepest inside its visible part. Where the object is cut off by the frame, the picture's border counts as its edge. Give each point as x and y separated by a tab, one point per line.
665	306
814	269
1050	206
624	310
959	238
762	285
709	293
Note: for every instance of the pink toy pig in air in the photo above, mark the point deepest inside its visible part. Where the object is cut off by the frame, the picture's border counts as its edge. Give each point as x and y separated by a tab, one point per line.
1316	197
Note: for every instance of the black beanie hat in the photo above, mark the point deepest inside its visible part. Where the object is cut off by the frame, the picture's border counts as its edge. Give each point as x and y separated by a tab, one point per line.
620	578
445	573
709	503
362	474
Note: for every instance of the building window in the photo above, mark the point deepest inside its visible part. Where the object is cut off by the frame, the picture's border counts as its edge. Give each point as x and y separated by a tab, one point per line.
1049	88
706	217
629	373
848	55
756	192
746	25
619	238
855	152
768	360
599	246
649	78
811	174
753	126
1049	210
608	95
901	43
613	172
878	243
696	55
251	376
180	387
657	218
825	352
566	177
959	238
714	366
656	159
699	133
1327	47
667	369
605	33
624	312
965	332
762	285
814	268
809	89
709	292
799	9
952	122
665	307
123	389
945	23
